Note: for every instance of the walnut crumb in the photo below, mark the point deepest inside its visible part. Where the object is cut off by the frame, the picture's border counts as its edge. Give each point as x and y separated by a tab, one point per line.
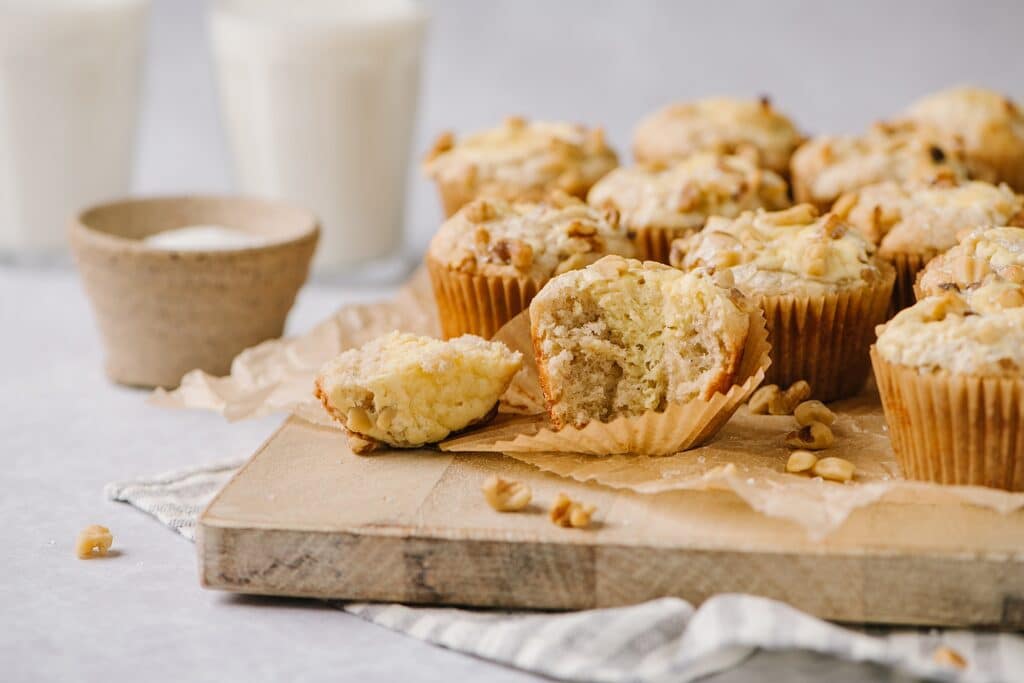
569	513
947	656
506	495
93	541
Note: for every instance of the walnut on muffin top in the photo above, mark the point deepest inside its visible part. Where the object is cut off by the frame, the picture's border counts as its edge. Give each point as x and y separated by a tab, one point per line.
723	125
796	251
522	159
928	216
528	239
682	195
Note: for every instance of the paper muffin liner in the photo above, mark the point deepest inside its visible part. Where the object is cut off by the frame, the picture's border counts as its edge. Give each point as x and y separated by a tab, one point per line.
677	428
907	266
825	339
477	304
655	244
950	428
454	195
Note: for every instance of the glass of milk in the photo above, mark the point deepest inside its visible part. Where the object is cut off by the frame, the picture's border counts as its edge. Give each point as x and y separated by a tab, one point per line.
319	103
70	75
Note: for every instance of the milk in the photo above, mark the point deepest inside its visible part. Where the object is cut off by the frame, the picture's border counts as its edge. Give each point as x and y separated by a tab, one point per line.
319	99
70	73
203	238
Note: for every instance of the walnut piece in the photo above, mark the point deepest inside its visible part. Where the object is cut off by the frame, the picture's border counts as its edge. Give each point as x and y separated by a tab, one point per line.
801	461
814	437
505	495
813	411
947	656
834	469
93	541
762	398
570	513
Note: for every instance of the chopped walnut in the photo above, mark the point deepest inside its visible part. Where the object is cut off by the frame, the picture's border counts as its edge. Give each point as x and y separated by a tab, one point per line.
580	229
570	513
815	436
505	495
93	541
444	142
947	656
834	469
479	211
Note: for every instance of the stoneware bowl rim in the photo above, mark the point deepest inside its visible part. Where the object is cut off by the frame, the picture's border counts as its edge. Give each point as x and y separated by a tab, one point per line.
303	225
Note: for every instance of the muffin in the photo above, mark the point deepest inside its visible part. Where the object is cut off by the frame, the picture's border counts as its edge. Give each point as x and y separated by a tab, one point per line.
622	338
988	125
983	255
821	287
489	260
519	160
827	166
950	373
723	125
914	222
658	203
405	390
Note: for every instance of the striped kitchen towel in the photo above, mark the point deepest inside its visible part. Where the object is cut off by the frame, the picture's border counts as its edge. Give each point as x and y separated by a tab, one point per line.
658	641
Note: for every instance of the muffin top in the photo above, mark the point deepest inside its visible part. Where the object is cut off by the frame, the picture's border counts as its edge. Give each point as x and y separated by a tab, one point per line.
983	255
987	123
978	332
683	195
520	157
827	166
723	125
922	217
377	390
795	251
535	240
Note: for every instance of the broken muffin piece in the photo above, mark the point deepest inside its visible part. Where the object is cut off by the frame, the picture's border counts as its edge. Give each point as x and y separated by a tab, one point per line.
405	390
621	338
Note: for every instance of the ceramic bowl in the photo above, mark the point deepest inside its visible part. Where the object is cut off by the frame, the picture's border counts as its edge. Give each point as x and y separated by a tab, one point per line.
163	312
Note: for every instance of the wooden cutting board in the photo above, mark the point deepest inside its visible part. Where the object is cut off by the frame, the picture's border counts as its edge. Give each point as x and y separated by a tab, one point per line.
306	517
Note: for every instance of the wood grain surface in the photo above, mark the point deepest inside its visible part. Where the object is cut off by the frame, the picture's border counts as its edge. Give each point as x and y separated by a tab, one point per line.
306	517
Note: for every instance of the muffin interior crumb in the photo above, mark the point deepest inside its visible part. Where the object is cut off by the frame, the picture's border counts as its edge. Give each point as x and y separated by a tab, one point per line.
621	339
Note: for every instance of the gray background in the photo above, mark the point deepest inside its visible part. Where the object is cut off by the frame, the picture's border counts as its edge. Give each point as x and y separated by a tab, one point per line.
833	67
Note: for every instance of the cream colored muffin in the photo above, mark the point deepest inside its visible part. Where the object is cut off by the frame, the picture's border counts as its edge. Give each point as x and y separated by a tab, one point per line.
723	125
518	160
950	373
489	259
914	222
988	125
622	337
658	203
827	166
821	287
992	254
406	390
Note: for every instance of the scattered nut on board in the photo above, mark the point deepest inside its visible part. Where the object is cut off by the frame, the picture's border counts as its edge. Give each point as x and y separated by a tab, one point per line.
570	513
834	469
814	437
813	411
801	461
93	541
761	398
506	495
947	656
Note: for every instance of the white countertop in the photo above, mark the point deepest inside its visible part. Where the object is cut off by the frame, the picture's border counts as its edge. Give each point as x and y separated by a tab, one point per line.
67	431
